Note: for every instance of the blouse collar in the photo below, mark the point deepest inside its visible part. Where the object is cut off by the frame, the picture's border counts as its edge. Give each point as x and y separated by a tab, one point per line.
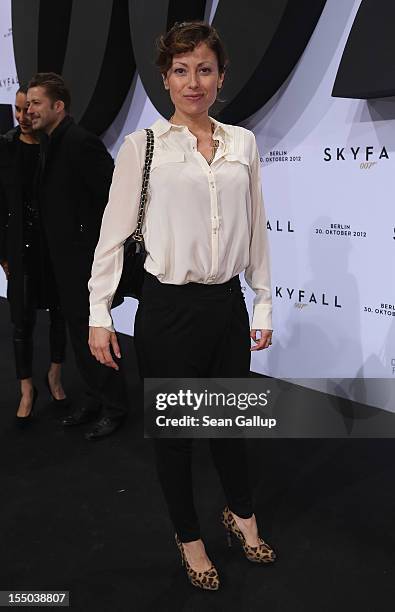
162	126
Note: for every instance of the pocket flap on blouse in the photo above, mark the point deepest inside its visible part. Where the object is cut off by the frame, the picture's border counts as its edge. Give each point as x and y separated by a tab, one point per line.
159	159
237	157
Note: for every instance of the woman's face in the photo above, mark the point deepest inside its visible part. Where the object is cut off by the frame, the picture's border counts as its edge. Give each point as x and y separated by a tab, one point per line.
193	80
21	115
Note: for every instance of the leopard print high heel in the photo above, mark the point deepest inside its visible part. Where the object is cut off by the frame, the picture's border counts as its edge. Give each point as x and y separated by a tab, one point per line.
208	579
258	554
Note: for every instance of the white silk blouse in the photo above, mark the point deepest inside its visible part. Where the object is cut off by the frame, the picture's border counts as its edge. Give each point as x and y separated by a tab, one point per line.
203	223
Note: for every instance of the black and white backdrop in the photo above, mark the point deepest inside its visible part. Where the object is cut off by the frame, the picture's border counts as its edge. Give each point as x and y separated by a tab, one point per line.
318	96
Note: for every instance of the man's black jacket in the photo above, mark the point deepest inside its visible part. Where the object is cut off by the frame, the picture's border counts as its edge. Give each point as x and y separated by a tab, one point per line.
74	181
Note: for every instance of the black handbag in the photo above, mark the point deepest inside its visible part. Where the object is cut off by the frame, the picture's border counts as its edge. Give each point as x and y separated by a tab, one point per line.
134	253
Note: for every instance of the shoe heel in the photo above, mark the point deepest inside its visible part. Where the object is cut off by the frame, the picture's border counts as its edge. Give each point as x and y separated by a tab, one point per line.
179	546
46	382
63	403
262	553
208	580
27	419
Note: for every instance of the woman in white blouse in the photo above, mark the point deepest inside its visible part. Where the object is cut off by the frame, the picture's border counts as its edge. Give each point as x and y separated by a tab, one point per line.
204	224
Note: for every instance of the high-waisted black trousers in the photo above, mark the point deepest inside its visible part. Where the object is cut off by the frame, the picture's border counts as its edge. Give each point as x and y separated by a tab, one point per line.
23	334
192	331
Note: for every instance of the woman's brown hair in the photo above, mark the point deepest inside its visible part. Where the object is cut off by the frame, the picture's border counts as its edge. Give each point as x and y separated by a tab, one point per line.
183	38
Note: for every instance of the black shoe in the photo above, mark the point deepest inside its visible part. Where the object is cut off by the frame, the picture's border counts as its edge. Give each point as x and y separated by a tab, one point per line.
80	416
105	426
21	421
61	403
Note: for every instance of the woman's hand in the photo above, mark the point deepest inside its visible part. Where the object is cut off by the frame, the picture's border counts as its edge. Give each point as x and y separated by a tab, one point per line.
264	341
4	265
100	340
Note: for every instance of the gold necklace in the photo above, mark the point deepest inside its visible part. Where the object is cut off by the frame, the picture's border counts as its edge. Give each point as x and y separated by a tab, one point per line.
214	146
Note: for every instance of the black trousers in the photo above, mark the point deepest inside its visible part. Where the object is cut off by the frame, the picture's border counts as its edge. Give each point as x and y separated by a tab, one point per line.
105	387
23	334
191	331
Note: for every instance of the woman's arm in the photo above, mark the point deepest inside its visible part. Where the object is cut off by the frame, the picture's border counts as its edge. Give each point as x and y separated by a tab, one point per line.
257	274
119	221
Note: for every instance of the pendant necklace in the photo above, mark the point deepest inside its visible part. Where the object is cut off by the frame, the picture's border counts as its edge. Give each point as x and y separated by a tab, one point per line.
214	146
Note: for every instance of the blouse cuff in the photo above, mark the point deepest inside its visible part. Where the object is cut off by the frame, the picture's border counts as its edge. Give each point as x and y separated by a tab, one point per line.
262	317
100	317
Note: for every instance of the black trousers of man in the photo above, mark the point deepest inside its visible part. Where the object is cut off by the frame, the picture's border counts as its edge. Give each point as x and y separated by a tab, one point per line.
106	389
192	331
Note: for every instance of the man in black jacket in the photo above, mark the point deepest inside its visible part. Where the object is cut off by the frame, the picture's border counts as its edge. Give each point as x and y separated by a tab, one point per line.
75	176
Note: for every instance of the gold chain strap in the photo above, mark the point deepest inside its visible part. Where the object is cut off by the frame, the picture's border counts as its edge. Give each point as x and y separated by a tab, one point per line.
149	151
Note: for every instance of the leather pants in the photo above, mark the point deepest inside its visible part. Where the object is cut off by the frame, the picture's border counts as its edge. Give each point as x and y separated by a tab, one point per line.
23	337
